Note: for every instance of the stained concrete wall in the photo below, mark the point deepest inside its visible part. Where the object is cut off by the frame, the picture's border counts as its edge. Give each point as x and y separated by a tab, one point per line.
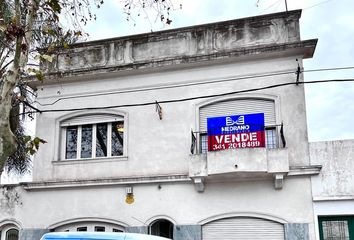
336	180
333	188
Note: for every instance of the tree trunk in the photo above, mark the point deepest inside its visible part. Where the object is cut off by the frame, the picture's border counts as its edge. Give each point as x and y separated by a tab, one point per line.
7	139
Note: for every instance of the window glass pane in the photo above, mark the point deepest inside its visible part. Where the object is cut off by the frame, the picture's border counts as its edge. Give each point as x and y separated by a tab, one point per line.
203	143
117	230
71	143
12	234
81	229
101	140
271	138
335	230
100	229
117	138
86	141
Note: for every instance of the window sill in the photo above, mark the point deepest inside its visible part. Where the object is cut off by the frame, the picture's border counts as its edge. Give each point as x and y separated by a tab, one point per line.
90	160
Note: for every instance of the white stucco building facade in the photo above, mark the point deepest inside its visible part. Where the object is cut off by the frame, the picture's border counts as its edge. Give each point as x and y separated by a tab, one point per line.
125	121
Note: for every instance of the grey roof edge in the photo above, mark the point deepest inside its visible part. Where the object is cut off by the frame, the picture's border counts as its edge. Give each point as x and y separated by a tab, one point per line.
295	13
304	48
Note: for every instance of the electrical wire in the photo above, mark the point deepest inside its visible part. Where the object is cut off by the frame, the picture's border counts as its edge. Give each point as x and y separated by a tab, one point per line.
170	86
317	4
329	69
277	3
194	98
194	84
272	5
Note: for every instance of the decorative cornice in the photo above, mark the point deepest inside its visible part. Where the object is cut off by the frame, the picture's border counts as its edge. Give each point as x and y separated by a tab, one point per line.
302	48
272	35
104	182
304	170
293	15
332	198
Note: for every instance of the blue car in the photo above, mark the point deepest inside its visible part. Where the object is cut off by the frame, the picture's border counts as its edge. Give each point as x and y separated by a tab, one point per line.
98	236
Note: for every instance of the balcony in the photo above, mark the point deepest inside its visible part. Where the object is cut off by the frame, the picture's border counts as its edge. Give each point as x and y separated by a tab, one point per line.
239	163
255	161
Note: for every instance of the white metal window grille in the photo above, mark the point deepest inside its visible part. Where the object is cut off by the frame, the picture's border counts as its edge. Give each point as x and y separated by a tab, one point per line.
336	227
93	140
335	230
271	138
204	143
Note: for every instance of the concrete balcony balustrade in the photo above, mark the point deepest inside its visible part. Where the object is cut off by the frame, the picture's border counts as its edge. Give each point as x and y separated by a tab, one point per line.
240	164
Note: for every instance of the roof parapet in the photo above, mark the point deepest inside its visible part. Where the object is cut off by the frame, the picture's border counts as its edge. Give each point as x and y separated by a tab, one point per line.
214	41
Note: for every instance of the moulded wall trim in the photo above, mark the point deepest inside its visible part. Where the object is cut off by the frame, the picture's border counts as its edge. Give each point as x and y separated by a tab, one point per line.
33	186
10	222
332	198
244	214
86	219
159	217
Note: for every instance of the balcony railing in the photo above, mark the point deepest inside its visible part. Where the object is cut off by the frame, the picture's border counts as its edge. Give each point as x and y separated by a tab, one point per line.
274	138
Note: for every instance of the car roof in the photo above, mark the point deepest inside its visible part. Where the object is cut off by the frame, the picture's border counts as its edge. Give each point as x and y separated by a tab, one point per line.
99	236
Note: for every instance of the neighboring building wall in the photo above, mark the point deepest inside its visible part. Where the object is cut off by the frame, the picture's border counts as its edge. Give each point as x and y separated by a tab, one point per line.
336	180
333	188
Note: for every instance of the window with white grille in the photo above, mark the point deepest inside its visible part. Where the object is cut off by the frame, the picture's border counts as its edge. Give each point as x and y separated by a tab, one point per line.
88	137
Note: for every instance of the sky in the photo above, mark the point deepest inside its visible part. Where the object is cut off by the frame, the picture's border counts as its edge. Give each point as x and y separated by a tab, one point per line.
330	106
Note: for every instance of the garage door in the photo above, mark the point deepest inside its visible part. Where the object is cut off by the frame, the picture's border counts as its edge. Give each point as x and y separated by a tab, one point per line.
243	228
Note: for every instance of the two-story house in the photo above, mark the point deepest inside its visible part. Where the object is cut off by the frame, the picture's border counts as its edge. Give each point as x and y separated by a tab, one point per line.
192	133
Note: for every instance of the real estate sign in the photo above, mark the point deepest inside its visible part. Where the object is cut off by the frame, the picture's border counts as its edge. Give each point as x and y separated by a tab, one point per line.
239	131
